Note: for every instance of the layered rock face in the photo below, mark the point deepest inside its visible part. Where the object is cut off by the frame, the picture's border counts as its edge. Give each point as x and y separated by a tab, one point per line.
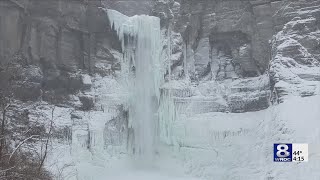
229	41
236	31
294	67
223	42
54	42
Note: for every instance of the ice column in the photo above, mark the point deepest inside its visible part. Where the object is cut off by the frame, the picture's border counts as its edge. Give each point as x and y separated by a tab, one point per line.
141	74
166	112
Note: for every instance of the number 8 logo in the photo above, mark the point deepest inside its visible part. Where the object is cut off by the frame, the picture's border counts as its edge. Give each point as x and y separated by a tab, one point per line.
282	151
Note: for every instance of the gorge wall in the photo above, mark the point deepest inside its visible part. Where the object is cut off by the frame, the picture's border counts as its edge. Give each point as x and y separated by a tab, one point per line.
211	40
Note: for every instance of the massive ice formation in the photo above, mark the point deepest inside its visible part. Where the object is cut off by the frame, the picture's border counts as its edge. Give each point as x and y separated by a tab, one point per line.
141	74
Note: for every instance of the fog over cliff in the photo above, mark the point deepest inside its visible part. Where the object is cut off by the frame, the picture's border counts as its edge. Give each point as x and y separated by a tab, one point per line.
158	89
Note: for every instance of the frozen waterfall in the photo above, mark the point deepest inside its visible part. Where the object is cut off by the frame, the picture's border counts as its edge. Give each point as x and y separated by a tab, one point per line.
141	75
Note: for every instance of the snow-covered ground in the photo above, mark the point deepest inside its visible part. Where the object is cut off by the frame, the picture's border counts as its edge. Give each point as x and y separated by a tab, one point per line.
209	146
127	169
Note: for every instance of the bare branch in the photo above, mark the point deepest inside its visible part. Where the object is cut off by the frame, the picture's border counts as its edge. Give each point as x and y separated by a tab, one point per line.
48	139
2	171
20	144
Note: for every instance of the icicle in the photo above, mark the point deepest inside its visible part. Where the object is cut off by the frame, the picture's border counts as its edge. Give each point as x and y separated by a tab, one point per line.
166	111
169	54
166	117
185	67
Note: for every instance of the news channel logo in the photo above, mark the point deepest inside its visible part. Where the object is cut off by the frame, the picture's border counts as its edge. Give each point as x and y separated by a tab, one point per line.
288	152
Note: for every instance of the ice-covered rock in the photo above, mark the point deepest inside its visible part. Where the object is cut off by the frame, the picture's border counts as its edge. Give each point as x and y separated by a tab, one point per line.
295	66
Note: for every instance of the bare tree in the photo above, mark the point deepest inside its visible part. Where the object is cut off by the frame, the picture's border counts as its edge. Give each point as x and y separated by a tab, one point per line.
49	135
3	126
61	174
20	144
8	74
18	162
